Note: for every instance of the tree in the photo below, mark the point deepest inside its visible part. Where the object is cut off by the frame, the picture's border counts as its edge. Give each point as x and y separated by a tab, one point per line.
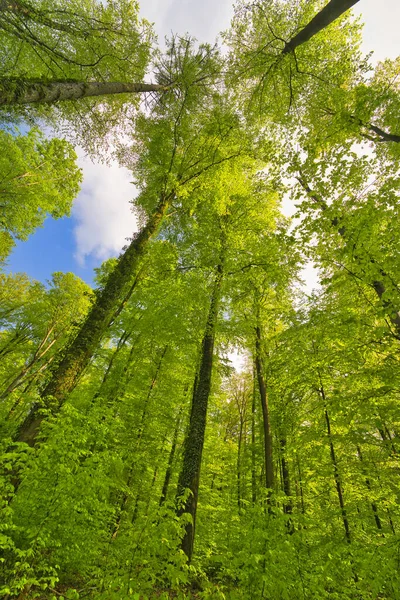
329	13
262	64
27	92
45	322
83	40
177	155
39	177
190	472
51	51
346	217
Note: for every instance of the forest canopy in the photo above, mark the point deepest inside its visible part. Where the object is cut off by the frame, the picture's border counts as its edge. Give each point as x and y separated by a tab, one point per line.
136	461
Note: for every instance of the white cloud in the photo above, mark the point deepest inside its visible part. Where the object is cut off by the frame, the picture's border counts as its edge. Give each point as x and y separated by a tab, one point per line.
203	20
103	212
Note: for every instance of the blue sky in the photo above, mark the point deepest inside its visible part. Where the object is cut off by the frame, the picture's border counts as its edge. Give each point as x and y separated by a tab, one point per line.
51	248
101	218
100	224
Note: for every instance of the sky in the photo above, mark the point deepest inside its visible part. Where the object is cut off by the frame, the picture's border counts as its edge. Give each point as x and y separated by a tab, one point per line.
102	219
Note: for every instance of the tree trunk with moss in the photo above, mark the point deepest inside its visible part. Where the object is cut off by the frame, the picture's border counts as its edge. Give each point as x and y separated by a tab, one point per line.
85	344
193	446
25	91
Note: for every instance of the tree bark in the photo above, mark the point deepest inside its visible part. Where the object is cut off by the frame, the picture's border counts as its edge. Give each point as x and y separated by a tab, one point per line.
268	453
81	350
332	11
336	474
387	137
33	92
368	484
288	508
193	446
253	442
239	467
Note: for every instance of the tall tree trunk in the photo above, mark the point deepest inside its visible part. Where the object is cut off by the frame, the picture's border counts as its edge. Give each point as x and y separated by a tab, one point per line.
149	393
119	387
268	453
35	91
239	467
168	472
122	504
83	347
240	397
338	482
368	484
299	487
288	508
336	473
332	11
253	442
193	445
120	344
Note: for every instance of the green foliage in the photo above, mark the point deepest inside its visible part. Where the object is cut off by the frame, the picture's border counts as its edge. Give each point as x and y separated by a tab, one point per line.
36	324
79	40
85	41
91	512
38	177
